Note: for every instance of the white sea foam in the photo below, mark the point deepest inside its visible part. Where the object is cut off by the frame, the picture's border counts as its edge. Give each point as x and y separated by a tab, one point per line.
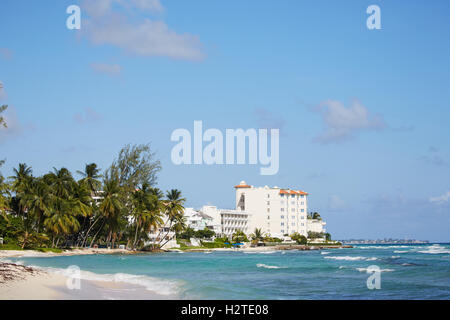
435	249
156	285
348	258
262	265
381	270
324	252
259	252
401	251
383	247
395	257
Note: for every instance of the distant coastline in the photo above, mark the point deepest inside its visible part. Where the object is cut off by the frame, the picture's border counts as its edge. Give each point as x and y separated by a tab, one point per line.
384	241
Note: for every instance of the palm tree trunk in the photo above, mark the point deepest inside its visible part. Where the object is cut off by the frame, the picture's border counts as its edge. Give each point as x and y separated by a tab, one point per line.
93	239
87	233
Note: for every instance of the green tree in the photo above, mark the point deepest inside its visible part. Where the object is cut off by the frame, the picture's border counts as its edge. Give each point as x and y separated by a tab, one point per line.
239	236
91	177
111	205
173	210
300	239
257	235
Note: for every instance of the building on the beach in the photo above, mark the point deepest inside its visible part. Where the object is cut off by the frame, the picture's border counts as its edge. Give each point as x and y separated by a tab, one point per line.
229	221
275	210
199	220
316	225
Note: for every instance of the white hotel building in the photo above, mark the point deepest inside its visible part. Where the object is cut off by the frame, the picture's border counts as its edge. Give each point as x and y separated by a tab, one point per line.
276	211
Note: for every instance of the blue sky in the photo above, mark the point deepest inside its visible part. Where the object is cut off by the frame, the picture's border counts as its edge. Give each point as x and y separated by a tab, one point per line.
363	113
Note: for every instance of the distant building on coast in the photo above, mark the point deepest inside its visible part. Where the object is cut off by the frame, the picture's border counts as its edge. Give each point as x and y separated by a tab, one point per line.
276	211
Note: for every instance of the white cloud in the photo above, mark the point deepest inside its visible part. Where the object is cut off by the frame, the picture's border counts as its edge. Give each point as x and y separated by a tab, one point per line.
140	36
111	70
441	199
336	203
342	123
14	126
89	115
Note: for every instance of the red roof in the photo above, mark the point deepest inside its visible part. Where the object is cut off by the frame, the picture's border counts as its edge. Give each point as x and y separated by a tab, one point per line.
242	186
300	192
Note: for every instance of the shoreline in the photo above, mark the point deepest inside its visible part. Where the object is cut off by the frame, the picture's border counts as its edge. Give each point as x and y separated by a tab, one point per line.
18	282
92	251
265	248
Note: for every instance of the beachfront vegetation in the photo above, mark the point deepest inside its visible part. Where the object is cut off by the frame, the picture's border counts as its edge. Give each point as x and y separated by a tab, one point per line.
314	215
300	239
239	237
118	206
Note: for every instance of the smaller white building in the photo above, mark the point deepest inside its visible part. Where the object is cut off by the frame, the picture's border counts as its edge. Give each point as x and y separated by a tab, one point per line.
315	225
198	220
228	221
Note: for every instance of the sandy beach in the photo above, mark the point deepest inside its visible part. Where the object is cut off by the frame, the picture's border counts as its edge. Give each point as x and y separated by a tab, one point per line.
18	282
73	252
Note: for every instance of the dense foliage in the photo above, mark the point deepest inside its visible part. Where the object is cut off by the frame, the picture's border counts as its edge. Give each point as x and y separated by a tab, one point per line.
119	206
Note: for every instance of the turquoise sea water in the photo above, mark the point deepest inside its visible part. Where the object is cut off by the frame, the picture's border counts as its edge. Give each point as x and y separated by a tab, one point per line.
408	272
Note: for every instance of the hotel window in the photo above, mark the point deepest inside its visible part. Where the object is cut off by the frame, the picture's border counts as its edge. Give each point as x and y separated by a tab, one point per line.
268	196
268	203
282	217
303	224
282	231
303	203
293	224
303	210
292	196
268	217
293	217
292	202
302	196
293	209
268	209
282	224
282	202
282	209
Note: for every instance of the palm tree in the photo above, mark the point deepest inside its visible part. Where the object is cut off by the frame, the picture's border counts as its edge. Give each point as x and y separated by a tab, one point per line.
21	178
61	221
173	209
4	198
91	176
61	182
111	205
38	201
257	234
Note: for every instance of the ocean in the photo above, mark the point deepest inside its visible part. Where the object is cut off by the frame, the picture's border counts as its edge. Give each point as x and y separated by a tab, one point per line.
407	272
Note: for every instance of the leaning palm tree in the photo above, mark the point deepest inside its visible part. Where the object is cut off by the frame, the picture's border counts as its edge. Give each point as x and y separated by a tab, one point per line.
61	220
111	205
173	209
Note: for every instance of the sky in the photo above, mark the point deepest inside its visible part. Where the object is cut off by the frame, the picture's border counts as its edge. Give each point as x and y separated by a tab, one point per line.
363	114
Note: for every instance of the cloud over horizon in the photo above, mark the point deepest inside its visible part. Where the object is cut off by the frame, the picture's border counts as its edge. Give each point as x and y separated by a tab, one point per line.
342	123
441	199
